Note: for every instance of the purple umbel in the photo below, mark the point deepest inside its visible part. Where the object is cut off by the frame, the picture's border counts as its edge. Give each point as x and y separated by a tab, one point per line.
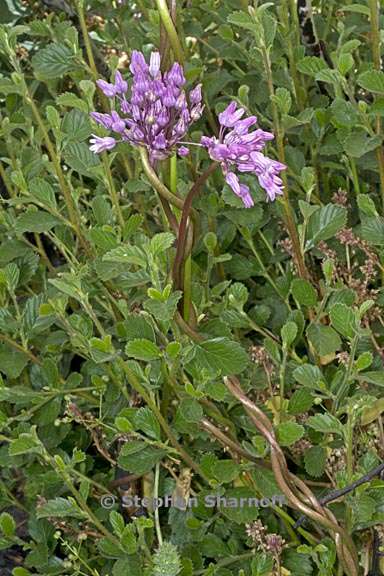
237	148
158	112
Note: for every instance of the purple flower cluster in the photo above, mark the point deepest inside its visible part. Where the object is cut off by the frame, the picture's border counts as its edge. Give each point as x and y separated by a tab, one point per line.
237	147
158	113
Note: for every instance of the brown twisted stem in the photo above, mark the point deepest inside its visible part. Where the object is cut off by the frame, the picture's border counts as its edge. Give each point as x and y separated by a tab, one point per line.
289	483
183	227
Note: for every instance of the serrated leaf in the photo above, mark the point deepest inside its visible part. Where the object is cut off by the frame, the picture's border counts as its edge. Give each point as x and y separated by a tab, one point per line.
324	339
314	460
311	65
304	292
138	458
7	524
43	192
23	444
289	432
221	355
72	101
127	254
243	20
79	157
372	80
59	508
142	349
288	333
54	61
325	223
300	401
161	242
163	311
35	221
372	230
191	410
146	421
12	362
343	320
76	126
325	423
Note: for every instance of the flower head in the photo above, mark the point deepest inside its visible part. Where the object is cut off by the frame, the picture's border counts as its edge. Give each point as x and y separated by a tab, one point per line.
237	147
156	114
101	144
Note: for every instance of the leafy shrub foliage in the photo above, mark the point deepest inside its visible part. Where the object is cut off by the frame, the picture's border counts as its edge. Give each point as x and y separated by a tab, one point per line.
158	338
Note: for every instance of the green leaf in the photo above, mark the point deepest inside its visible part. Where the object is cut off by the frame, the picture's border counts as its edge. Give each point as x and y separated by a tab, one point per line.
59	508
138	458
325	223
79	157
146	421
166	561
25	443
308	375
7	524
43	192
35	221
54	61
303	292
191	410
102	349
142	349
372	230
128	539
161	242
300	401
76	126
163	311
282	98
289	432
288	334
311	65
364	361
226	471
343	320
372	80
12	361
315	459
72	101
325	423
324	339
243	20
127	254
372	377
221	355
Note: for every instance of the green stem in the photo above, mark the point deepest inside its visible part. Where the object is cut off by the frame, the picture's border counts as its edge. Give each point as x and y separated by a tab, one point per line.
157	183
112	191
376	53
156	511
136	385
87	42
289	215
168	24
72	211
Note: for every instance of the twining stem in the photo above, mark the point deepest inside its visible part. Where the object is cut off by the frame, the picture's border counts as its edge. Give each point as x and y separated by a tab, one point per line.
168	24
376	53
183	228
